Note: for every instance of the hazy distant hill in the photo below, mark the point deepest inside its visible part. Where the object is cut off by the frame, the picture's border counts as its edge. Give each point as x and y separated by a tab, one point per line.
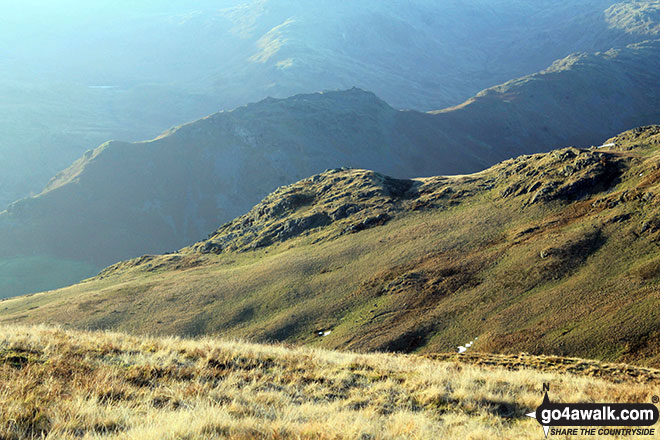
74	77
553	253
123	200
578	100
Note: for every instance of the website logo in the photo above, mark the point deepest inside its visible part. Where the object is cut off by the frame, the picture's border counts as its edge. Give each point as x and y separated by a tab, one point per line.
621	419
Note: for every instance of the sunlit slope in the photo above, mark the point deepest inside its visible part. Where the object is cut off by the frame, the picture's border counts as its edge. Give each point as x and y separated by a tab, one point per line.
68	385
551	253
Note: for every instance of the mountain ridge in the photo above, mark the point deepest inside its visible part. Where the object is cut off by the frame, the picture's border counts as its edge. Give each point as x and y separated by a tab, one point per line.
527	255
264	132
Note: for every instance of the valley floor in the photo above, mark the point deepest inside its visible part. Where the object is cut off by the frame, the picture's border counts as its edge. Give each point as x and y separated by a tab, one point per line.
63	384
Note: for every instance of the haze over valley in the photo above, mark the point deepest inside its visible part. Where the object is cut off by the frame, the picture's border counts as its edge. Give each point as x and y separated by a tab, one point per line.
417	213
75	77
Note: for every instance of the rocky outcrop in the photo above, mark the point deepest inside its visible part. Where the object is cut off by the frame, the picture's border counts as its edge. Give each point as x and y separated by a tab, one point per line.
567	174
349	200
343	200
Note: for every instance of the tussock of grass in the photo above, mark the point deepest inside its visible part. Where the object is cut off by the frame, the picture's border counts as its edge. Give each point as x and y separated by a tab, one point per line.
65	384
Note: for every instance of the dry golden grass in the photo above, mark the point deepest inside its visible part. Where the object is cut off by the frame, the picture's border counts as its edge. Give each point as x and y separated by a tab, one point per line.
59	384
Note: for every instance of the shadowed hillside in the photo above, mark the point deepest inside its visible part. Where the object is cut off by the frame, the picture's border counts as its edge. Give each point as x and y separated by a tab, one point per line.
578	100
553	253
123	199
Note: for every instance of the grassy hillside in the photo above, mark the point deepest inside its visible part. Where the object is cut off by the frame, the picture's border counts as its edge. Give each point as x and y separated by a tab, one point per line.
65	385
553	253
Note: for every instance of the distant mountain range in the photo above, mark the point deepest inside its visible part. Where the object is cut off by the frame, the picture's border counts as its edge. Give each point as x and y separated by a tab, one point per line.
554	253
122	200
75	77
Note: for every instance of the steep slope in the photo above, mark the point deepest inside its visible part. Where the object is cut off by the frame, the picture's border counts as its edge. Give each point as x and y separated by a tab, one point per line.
127	70
553	253
47	126
123	200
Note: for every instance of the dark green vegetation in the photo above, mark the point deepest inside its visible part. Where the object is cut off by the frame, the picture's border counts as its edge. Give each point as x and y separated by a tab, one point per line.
123	200
168	62
553	253
53	273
